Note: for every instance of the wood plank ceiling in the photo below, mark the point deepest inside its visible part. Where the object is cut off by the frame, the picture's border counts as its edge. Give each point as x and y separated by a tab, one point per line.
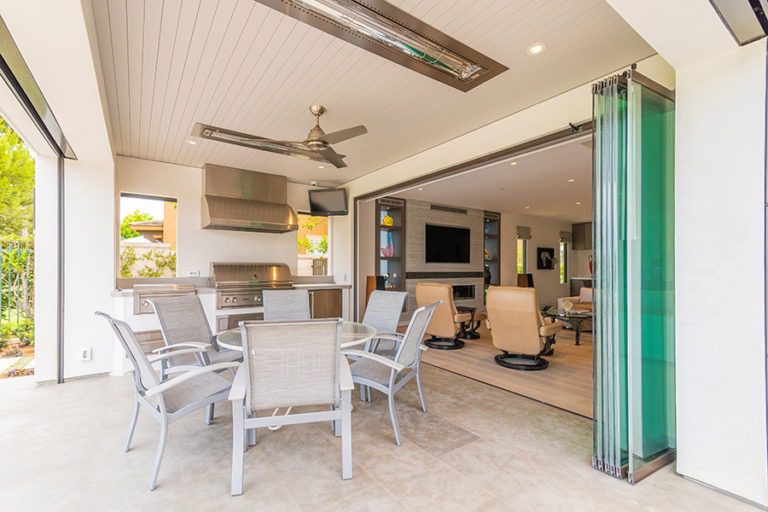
238	64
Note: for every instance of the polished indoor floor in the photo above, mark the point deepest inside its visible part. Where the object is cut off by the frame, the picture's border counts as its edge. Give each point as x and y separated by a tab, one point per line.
478	448
566	383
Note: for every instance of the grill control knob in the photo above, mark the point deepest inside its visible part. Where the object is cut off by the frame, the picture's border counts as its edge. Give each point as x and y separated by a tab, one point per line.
226	300
234	300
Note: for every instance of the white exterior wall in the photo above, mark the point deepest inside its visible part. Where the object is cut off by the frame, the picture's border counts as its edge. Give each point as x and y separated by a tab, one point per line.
198	247
720	272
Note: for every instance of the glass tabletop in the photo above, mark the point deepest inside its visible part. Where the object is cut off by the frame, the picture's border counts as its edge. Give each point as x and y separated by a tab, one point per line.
352	335
574	313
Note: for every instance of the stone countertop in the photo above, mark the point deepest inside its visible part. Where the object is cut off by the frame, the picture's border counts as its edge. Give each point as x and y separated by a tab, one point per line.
128	292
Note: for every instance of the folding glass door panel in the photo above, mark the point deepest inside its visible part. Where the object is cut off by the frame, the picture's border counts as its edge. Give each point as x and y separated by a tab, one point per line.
650	267
634	408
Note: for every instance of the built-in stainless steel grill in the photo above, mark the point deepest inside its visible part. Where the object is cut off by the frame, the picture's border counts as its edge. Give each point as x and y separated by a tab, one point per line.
239	285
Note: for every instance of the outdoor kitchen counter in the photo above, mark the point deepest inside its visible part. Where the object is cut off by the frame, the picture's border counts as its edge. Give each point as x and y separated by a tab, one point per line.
127	292
321	286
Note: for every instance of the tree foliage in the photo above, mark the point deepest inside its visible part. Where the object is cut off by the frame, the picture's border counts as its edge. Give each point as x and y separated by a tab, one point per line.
126	231
17	184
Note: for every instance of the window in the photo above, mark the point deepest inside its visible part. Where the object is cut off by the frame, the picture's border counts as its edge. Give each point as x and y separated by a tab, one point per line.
522	256
312	242
563	262
147	236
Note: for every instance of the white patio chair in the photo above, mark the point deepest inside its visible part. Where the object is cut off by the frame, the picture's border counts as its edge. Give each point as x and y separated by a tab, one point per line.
192	387
286	305
290	364
390	375
183	322
383	313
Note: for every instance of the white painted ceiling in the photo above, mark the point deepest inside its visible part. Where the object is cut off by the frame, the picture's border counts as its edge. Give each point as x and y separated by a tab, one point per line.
238	64
537	185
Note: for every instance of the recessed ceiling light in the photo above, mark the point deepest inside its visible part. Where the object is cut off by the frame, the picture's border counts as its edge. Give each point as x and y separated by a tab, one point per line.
571	180
193	142
512	163
421	189
578	202
527	207
321	167
536	48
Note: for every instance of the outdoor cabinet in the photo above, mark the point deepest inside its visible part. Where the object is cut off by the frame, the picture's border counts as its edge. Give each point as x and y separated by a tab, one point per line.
326	303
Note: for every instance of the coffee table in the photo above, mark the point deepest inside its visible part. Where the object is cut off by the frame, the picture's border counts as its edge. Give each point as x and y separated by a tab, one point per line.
573	317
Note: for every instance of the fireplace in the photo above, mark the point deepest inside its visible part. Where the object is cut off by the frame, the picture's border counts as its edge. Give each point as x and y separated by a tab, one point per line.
463	292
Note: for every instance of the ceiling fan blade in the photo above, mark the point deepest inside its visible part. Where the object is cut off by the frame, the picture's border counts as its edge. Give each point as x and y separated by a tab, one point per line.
332	157
342	135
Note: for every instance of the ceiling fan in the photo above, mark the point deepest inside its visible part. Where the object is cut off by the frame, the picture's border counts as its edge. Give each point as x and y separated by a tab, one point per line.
317	145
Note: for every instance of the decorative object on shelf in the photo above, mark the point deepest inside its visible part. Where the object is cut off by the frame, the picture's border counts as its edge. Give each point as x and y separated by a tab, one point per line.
487	278
388	249
487	227
545	258
387	220
486	255
589	259
567	306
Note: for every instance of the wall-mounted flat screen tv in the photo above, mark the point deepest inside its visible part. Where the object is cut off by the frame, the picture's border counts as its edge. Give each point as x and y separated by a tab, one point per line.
329	201
444	244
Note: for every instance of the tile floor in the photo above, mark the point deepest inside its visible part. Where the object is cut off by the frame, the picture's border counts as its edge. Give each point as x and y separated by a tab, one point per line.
478	449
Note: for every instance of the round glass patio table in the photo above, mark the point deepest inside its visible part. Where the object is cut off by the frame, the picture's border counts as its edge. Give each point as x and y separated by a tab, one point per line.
353	334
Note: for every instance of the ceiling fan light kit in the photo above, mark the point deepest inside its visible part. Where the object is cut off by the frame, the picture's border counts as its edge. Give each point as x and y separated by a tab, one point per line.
317	145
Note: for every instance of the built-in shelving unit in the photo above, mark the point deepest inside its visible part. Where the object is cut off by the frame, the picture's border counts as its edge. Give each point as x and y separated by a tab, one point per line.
390	242
492	248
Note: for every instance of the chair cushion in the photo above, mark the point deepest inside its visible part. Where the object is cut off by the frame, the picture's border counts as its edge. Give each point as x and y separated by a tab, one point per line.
195	389
585	294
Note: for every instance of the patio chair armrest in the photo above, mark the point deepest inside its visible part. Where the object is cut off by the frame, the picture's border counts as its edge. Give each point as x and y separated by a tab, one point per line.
239	386
159	357
168	384
391	336
345	376
186	344
375	357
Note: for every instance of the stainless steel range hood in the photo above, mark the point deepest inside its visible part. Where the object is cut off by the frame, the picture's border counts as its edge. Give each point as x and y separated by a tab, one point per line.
241	200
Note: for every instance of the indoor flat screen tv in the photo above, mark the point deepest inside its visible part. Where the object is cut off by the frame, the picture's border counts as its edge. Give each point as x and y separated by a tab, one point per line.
329	201
445	244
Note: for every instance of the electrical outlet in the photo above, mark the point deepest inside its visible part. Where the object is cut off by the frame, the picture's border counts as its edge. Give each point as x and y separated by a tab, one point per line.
194	273
86	354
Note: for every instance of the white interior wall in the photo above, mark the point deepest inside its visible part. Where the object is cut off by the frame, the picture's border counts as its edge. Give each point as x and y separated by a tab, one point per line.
198	247
544	233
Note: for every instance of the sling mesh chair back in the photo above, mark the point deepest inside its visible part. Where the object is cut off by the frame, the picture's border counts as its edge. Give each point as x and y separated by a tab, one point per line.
166	400
389	375
383	314
183	322
290	364
286	305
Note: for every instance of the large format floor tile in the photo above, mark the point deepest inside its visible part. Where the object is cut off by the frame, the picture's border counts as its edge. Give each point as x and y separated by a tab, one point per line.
478	448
